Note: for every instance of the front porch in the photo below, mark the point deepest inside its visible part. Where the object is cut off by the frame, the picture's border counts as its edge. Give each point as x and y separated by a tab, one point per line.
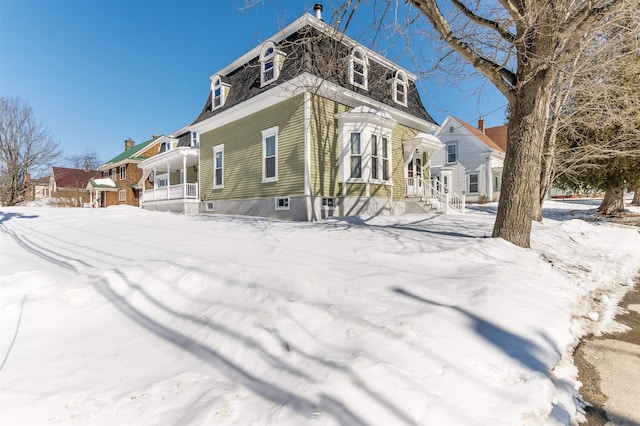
175	176
417	164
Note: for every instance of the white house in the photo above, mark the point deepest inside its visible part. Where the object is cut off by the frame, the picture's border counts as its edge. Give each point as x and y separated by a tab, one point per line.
471	161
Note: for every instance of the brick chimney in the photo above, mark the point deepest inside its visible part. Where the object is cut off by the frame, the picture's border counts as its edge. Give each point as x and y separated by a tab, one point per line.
481	124
129	143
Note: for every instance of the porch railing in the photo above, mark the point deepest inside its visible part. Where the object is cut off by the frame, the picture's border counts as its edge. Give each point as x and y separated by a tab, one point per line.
173	192
436	194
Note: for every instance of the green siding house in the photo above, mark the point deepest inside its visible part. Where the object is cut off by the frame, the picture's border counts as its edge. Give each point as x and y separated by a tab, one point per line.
307	125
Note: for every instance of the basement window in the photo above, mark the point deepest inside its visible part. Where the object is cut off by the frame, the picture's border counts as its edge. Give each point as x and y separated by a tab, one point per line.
282	203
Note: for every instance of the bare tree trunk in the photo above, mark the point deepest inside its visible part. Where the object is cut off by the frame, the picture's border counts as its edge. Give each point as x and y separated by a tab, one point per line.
521	177
613	201
636	197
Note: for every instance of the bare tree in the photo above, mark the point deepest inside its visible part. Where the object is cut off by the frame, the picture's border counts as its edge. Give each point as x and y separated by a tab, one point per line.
85	161
599	143
595	91
25	146
520	47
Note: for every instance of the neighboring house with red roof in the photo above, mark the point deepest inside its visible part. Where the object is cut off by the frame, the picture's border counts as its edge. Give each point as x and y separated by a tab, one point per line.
472	160
70	184
120	179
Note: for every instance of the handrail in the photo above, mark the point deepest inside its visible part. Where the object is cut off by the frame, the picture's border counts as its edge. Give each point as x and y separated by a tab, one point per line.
437	194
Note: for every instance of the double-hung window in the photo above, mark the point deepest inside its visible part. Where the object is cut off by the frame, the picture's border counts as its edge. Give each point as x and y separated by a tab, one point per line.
122	195
452	153
359	68
375	158
356	156
113	174
400	88
217	93
269	63
473	183
385	158
270	154
123	172
218	166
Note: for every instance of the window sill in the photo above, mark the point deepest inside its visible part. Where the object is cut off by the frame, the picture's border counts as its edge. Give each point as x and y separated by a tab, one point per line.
270	180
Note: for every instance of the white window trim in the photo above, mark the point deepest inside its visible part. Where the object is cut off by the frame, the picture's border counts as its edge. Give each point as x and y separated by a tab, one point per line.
195	139
114	174
123	172
216	83
275	56
272	131
446	153
353	60
162	177
217	149
477	175
359	154
389	180
122	195
400	79
209	206
288	203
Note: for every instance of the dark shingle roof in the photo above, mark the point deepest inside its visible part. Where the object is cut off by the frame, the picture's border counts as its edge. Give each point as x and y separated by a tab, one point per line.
313	51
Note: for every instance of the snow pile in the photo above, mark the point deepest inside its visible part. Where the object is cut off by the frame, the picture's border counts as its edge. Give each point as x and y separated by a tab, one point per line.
122	316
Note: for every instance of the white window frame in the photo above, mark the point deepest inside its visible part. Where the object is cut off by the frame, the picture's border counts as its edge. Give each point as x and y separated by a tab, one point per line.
400	86
385	141
218	149
454	145
269	54
122	195
162	180
114	174
477	183
209	206
356	155
363	61
282	203
376	167
195	139
216	86
266	134
123	172
105	174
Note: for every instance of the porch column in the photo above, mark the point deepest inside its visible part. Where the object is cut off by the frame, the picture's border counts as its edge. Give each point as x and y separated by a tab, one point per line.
155	182
489	185
184	176
168	181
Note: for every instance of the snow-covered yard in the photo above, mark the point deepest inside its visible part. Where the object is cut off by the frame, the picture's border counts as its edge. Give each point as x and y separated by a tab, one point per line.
121	316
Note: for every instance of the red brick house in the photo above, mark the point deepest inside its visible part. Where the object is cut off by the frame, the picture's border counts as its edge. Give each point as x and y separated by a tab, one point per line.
120	179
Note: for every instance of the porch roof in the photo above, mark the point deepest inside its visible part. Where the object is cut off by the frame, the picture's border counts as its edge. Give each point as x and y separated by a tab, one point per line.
172	158
103	184
423	141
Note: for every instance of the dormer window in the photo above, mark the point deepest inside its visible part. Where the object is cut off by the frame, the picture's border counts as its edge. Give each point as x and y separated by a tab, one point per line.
358	68
269	63
400	88
195	140
217	93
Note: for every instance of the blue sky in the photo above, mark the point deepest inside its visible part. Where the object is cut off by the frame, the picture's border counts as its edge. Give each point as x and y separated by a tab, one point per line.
97	72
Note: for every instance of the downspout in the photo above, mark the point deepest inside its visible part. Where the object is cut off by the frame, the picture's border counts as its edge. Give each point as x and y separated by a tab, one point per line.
307	157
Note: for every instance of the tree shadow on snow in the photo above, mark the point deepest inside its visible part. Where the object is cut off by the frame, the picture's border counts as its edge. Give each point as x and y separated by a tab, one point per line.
518	348
4	216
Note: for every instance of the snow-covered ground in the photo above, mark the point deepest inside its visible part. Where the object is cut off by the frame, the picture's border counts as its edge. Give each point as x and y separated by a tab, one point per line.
120	316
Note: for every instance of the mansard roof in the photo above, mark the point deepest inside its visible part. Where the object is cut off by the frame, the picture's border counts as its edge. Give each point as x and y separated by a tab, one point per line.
311	46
